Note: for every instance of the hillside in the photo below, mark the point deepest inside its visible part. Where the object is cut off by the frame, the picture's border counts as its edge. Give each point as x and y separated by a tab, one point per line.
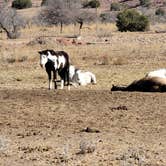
105	4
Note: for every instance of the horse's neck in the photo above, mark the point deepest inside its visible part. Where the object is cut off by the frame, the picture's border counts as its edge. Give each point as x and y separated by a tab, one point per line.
52	58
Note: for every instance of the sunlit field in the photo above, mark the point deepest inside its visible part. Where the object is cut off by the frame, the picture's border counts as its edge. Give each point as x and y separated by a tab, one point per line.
88	125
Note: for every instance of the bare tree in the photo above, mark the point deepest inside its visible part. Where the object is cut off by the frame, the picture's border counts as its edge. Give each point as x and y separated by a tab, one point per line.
57	12
84	16
10	21
65	12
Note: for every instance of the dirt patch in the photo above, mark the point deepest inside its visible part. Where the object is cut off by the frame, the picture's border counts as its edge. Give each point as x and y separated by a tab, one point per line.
41	127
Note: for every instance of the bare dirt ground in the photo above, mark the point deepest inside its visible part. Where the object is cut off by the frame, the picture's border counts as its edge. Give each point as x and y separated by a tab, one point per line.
87	126
41	127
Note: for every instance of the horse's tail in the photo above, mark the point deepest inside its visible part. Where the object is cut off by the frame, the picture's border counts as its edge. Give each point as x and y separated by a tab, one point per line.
65	54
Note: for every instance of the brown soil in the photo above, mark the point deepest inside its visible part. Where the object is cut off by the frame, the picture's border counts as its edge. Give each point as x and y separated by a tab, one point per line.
87	126
41	127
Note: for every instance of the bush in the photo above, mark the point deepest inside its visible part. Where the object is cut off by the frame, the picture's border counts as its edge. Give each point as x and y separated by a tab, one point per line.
145	3
21	4
91	4
44	2
131	20
115	6
160	12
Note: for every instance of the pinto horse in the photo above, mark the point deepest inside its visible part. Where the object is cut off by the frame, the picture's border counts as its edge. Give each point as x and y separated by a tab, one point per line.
55	61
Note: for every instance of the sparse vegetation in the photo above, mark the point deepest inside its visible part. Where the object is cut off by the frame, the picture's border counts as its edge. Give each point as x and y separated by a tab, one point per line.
131	20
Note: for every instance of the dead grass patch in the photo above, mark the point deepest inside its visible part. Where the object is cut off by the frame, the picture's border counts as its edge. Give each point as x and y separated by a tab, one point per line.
119	61
11	60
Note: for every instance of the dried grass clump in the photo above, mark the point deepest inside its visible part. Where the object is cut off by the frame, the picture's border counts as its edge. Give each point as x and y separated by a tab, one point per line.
133	156
22	59
11	60
87	147
119	61
104	33
104	60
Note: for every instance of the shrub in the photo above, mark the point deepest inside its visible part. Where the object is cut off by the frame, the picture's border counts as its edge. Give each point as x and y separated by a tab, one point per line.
160	12
11	60
145	3
87	146
115	6
131	20
21	4
44	2
91	4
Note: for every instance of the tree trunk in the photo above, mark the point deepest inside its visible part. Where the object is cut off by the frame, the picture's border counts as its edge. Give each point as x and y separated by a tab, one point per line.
61	30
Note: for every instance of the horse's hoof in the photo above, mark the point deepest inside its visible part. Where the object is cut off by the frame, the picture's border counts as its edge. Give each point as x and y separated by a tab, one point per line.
69	88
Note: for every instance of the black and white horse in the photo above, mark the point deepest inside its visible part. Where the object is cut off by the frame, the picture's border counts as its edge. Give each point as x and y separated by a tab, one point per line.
56	61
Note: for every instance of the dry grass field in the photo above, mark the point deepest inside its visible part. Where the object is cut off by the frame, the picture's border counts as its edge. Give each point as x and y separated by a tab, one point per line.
41	127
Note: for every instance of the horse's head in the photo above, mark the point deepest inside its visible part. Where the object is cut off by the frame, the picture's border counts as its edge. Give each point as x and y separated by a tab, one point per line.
114	88
43	58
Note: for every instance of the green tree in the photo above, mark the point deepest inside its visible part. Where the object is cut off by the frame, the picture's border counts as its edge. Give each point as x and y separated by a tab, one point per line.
91	4
132	20
21	4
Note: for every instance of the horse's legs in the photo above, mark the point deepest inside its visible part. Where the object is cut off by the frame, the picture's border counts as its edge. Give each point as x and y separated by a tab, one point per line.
49	79
62	83
54	79
68	78
61	74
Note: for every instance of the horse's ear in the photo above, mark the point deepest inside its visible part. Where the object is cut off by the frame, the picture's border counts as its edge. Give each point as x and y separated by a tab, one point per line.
113	87
52	52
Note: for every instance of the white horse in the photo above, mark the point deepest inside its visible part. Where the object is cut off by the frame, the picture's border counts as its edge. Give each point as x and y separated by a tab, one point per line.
157	73
79	77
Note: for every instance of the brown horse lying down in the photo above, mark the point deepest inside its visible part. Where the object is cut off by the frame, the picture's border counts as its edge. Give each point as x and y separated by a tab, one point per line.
146	84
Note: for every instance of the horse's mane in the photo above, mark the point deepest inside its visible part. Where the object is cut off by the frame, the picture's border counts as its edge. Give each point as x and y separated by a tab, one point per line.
54	53
46	52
